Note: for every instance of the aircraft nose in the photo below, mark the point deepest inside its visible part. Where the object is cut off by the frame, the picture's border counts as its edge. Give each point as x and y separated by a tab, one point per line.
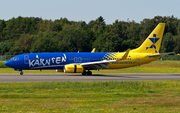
8	63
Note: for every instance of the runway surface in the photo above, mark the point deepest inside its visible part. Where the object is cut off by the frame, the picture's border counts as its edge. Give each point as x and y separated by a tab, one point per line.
6	78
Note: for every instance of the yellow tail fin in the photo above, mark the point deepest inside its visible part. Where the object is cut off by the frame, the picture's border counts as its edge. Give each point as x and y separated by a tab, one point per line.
153	41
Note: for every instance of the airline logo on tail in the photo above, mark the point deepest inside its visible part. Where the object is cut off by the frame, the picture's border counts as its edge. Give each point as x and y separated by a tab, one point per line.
153	40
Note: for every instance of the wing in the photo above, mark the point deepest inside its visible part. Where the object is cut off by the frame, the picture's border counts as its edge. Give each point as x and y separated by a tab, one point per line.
100	64
154	55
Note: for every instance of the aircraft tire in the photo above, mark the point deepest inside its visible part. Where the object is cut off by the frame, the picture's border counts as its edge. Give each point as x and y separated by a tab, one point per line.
89	73
84	73
21	73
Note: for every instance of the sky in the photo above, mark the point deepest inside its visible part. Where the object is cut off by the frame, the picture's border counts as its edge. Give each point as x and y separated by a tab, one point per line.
87	10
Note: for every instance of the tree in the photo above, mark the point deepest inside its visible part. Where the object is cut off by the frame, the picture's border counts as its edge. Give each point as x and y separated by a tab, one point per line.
74	40
2	26
29	34
98	25
25	42
178	28
4	47
177	45
54	26
107	42
168	43
45	42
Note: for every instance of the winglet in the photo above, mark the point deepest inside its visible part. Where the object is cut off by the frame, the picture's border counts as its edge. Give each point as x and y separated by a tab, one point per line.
125	55
93	50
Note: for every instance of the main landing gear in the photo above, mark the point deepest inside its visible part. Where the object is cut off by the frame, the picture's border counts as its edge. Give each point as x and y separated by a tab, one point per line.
87	73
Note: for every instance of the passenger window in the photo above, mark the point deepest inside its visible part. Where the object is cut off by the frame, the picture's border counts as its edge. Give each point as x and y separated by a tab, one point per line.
75	59
79	59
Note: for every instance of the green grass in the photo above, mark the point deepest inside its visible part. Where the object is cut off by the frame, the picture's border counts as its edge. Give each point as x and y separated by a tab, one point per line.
2	64
165	62
112	96
154	67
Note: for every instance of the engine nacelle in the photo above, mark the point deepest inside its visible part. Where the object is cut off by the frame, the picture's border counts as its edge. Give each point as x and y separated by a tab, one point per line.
71	68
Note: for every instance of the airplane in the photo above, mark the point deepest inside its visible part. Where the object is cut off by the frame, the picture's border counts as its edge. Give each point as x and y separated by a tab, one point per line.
84	62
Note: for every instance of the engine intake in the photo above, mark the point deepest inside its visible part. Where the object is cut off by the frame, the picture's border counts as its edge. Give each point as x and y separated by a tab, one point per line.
71	68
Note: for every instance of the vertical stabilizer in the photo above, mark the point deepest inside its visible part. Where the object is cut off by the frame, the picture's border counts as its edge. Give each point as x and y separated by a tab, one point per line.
93	50
153	41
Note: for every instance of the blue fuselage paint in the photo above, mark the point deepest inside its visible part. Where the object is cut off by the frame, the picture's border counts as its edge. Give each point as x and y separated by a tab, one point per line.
36	61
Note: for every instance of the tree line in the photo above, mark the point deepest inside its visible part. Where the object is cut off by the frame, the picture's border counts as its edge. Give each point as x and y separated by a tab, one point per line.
29	34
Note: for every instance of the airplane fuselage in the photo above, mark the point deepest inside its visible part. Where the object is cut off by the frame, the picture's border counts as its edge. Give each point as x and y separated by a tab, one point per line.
37	61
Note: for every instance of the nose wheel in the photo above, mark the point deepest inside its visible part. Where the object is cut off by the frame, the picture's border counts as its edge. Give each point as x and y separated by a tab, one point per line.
21	73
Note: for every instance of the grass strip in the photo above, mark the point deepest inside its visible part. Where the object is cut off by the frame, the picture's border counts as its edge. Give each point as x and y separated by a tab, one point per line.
2	64
112	96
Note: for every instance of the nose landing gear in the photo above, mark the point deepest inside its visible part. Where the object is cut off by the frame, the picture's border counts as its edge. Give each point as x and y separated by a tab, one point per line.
21	73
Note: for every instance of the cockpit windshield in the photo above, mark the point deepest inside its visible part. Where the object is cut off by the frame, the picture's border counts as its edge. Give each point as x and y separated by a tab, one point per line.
14	58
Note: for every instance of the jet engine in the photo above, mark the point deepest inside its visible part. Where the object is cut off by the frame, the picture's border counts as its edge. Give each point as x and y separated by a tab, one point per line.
71	68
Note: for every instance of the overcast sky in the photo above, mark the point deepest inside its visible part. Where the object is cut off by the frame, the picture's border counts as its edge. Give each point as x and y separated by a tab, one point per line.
87	10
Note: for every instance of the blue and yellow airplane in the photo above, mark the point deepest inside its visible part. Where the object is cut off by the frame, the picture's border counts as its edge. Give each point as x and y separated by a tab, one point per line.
84	62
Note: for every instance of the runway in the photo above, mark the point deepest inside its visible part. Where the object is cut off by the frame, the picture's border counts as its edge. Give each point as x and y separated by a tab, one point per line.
9	78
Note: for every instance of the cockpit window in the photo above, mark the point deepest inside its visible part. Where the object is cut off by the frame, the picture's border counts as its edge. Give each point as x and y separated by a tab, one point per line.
14	58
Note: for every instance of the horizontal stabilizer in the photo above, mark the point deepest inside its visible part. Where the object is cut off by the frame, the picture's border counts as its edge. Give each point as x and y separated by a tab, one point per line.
161	54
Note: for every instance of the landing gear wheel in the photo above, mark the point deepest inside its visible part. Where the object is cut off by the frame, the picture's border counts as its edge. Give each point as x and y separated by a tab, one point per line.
84	72
21	73
89	73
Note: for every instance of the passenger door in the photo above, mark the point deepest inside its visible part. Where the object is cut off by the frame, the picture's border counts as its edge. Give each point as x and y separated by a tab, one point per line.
26	59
